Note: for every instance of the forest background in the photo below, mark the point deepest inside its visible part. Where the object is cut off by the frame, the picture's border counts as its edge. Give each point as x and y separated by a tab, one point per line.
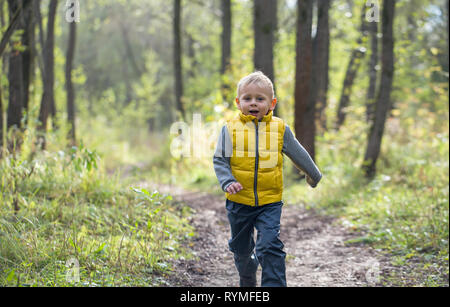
89	99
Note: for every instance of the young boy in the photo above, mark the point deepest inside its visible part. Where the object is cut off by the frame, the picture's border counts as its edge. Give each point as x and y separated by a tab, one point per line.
248	163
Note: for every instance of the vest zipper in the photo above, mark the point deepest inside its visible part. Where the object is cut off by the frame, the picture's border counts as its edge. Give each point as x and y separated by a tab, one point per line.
255	183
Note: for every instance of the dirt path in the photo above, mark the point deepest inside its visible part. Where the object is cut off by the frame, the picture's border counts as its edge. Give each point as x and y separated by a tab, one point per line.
316	253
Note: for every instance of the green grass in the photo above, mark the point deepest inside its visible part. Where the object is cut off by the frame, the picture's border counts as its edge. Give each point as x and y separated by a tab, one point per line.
404	211
73	217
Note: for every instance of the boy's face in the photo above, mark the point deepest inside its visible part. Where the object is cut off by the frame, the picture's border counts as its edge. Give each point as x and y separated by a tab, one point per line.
255	100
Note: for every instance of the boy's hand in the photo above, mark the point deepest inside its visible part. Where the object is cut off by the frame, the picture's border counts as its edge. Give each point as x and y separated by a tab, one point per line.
311	182
234	188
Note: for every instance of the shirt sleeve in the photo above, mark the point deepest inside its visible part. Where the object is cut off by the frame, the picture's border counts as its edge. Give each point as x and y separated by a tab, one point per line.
299	156
221	159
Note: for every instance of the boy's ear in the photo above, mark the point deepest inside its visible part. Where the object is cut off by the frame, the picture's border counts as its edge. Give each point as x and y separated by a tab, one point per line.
238	103
273	104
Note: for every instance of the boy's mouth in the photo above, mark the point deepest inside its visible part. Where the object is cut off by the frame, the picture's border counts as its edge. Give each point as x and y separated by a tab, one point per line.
253	112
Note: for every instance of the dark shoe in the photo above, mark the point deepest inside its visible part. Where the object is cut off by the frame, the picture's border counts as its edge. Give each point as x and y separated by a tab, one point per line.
248	281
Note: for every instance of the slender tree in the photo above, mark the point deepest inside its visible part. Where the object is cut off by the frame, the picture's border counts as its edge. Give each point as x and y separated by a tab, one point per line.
321	54
352	70
2	24
69	84
177	58
265	26
28	54
226	35
226	49
304	113
20	62
15	75
383	102
446	37
48	100
15	19
1	121
370	108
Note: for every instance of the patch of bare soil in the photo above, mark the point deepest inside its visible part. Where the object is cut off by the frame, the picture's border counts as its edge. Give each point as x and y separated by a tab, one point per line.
316	253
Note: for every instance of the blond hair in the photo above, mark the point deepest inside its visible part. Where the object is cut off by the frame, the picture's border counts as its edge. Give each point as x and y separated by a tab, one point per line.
258	78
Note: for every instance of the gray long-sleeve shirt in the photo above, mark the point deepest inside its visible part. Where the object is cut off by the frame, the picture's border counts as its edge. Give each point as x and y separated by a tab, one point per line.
291	148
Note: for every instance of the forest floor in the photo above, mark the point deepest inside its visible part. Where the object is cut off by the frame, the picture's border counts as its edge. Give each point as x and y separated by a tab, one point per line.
316	248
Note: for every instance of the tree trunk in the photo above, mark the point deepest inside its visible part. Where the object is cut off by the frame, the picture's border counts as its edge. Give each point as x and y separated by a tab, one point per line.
48	100
265	25
1	123
227	94
446	38
304	115
51	58
40	38
383	102
15	19
2	25
352	69
177	58
370	109
69	85
15	75
2	16
321	53
226	35
28	54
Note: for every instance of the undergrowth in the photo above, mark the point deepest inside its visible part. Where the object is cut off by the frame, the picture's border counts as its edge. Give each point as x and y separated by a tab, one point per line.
64	221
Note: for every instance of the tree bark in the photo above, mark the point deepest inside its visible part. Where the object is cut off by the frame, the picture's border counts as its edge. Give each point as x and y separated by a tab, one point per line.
40	38
15	75
370	109
51	58
48	100
265	26
226	35
69	85
177	58
383	102
14	21
446	38
352	70
227	94
321	53
27	54
304	114
1	122
2	24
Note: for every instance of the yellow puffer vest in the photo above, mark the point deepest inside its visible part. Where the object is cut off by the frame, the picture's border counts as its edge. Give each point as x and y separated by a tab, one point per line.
257	161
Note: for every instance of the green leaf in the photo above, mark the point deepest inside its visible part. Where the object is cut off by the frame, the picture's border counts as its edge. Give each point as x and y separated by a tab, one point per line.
100	248
11	275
